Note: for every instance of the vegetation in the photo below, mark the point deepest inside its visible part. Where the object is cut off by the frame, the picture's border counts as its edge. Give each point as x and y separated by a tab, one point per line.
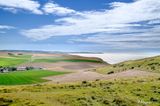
5	61
67	60
26	77
147	64
21	56
13	60
124	92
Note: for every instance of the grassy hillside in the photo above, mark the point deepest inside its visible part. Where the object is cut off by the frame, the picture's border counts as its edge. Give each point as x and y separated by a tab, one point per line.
148	64
25	77
125	92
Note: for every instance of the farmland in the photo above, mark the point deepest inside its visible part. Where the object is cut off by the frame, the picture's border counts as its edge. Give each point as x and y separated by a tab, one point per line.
51	65
26	77
66	60
5	61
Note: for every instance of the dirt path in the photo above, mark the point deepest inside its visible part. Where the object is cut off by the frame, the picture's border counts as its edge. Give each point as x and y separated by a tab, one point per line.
82	75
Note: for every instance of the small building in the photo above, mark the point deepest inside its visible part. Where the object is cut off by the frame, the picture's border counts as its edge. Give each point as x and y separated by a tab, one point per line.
3	70
21	68
37	68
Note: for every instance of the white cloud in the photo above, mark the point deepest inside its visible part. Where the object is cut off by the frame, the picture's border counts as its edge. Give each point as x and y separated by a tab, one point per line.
35	7
29	5
150	38
122	18
53	8
13	10
126	25
3	28
6	27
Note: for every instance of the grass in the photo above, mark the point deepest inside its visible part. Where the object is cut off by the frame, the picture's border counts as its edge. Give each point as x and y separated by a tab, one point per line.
13	60
21	56
124	92
148	64
5	61
67	60
26	77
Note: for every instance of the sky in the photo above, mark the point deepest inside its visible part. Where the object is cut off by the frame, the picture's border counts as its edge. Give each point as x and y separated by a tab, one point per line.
80	25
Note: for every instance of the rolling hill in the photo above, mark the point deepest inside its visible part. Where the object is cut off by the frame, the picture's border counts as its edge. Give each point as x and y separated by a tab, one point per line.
151	64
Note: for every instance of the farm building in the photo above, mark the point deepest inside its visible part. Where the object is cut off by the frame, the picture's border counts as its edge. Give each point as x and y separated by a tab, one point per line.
3	70
10	69
21	68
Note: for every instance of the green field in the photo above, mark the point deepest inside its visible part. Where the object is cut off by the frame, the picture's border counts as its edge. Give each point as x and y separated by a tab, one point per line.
67	60
148	64
21	56
11	61
14	60
124	92
25	77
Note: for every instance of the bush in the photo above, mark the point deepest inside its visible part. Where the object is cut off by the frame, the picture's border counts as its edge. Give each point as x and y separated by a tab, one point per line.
118	101
111	72
153	99
29	68
20	54
152	68
12	69
5	102
106	102
84	82
11	54
97	80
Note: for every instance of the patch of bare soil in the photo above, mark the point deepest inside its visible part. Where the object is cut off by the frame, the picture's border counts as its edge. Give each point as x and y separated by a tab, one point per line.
74	77
91	76
130	73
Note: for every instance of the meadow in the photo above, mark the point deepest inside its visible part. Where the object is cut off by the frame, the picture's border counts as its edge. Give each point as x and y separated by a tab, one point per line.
6	61
13	60
26	77
119	92
65	59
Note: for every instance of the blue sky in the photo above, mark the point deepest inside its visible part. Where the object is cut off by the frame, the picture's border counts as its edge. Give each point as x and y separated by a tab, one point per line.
80	25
